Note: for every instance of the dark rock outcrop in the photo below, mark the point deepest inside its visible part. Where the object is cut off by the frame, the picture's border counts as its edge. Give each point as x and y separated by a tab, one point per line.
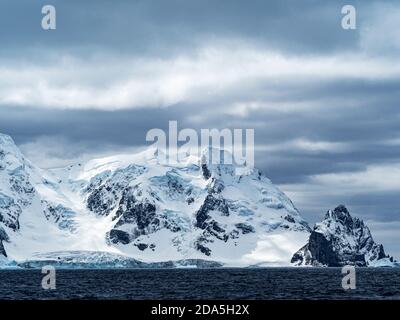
3	237
118	236
214	203
205	171
340	240
245	228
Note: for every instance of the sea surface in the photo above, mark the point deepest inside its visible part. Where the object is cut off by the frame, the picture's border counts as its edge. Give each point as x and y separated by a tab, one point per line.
258	284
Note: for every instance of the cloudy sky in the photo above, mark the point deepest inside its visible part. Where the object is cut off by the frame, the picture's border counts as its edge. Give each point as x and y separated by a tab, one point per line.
324	101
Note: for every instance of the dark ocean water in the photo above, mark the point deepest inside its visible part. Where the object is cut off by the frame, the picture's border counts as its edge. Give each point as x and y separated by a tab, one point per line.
271	283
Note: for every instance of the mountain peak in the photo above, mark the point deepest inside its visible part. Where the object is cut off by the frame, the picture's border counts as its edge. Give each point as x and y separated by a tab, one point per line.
341	240
340	213
6	141
10	155
342	209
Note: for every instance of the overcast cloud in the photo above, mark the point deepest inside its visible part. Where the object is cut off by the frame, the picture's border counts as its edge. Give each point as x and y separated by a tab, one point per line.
324	102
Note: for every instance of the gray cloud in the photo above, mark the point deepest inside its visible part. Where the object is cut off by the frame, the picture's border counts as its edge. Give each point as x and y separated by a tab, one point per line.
159	27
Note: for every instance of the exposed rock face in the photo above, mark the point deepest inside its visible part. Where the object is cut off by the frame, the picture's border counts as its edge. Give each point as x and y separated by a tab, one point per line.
118	236
214	203
140	215
60	215
341	240
205	171
3	237
106	189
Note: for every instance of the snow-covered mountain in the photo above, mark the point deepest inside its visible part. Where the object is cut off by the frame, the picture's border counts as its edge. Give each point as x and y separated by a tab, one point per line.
342	240
138	207
34	216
